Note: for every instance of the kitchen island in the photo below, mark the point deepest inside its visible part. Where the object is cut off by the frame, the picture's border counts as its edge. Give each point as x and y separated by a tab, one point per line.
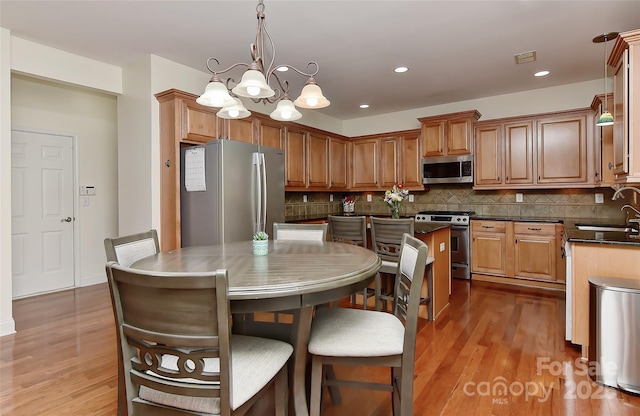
594	253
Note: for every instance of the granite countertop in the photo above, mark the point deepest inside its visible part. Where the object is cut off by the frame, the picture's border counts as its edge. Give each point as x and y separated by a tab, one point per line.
419	227
520	219
572	234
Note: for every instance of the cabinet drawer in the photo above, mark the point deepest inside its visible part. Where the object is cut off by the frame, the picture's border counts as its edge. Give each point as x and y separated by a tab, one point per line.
534	228
489	226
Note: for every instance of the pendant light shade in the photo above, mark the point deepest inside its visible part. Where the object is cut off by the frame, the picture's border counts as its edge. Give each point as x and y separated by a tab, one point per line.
215	95
253	85
236	110
311	96
606	119
286	111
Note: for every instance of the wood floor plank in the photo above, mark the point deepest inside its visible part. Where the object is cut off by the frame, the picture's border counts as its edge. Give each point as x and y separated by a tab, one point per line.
62	361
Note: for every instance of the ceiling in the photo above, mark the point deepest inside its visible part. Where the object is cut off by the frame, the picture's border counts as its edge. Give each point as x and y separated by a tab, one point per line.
455	50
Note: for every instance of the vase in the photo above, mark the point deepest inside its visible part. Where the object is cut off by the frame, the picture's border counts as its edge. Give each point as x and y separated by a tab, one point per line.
260	247
395	211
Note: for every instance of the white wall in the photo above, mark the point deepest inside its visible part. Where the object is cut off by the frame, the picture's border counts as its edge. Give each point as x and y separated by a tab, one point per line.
7	325
564	97
90	116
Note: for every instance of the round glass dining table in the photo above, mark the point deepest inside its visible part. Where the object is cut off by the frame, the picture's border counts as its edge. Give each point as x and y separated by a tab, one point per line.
294	276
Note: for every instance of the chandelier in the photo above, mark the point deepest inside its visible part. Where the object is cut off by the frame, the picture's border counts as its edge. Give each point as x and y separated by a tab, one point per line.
261	82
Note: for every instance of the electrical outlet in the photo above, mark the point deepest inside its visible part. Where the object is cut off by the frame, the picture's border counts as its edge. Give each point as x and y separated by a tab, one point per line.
519	197
411	198
330	197
441	247
304	198
599	198
368	198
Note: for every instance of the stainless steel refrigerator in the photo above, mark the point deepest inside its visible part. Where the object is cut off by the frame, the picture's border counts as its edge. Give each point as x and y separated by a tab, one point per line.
229	190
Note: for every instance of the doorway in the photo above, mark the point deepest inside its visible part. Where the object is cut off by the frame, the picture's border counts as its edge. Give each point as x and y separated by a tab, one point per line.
42	211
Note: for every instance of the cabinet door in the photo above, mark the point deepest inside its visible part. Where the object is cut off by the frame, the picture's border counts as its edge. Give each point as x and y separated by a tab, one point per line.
364	163
338	163
295	158
489	253
271	134
620	115
388	162
410	166
459	136
488	156
241	129
318	159
535	256
433	137
199	124
562	150
518	145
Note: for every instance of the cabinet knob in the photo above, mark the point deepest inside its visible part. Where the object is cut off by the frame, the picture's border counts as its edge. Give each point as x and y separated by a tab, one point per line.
610	165
507	178
516	241
498	177
168	163
538	177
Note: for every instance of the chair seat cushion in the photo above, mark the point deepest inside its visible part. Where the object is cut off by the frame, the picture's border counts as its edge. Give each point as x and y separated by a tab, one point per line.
342	332
254	362
390	267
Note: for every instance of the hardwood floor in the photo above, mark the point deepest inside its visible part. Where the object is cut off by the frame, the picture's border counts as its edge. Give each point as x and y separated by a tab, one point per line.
62	361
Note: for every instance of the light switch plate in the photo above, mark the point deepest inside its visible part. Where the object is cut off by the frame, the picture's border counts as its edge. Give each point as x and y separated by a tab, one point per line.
519	197
304	198
330	197
368	198
411	198
599	198
441	247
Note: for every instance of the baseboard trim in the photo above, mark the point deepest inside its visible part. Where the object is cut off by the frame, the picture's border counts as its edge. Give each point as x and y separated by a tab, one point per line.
7	327
90	281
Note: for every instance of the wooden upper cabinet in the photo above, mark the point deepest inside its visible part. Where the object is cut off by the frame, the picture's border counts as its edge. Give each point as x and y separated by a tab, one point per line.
562	150
271	133
448	134
199	123
518	147
338	163
364	164
295	158
389	162
241	129
410	161
318	159
489	150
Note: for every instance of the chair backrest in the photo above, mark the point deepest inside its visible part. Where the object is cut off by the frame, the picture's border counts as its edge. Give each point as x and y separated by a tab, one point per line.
309	232
128	249
408	287
168	324
347	229
386	236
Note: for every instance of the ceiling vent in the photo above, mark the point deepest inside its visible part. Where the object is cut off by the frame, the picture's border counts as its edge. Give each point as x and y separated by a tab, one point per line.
524	57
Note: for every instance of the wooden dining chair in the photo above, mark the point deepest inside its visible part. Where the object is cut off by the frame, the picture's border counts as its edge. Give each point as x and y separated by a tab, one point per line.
179	355
353	230
357	337
307	232
126	250
386	239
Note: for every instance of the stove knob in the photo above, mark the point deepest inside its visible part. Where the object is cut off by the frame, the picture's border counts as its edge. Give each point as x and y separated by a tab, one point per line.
458	219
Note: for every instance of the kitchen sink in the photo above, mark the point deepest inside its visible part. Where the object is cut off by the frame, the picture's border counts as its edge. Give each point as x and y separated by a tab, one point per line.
614	228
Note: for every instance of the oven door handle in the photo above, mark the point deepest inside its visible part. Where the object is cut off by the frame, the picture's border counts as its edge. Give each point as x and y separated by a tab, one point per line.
459	227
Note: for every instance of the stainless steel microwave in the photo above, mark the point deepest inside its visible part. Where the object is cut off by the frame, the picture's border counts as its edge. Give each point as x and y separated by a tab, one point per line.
448	169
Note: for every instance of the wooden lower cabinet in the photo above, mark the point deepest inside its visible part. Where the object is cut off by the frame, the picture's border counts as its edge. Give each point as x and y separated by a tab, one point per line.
522	253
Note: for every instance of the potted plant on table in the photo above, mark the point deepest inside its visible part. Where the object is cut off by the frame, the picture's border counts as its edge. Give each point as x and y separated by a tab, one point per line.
260	243
394	198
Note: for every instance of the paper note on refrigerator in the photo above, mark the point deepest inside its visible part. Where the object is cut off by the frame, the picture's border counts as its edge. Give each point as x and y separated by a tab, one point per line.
194	170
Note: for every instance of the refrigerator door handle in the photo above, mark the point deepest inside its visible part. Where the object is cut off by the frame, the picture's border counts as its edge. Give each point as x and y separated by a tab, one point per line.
257	198
263	188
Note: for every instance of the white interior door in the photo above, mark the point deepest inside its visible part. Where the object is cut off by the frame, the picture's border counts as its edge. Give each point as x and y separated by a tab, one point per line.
42	212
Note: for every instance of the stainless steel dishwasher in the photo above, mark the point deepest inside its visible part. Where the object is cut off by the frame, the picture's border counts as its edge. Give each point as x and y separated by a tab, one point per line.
614	332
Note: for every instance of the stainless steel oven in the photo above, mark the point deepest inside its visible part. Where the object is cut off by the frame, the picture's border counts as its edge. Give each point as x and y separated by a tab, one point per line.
460	249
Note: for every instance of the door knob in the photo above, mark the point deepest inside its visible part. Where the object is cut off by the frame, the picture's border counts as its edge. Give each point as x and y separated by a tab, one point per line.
68	219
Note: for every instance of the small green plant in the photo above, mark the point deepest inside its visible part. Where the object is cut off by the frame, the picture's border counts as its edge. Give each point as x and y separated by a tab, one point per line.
260	236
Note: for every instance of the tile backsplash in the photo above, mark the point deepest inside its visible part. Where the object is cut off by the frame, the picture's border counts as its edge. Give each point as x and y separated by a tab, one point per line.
551	203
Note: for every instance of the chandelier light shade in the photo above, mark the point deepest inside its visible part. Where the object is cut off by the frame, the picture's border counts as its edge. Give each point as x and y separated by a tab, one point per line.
261	82
286	111
235	110
606	118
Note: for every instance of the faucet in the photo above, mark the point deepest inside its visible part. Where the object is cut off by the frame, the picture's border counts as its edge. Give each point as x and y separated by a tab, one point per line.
618	194
637	213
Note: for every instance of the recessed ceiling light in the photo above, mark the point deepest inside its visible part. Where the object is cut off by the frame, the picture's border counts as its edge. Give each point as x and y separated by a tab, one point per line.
282	69
364	105
541	73
401	69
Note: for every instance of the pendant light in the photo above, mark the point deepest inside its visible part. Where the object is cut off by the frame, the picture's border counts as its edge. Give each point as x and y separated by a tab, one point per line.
606	118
